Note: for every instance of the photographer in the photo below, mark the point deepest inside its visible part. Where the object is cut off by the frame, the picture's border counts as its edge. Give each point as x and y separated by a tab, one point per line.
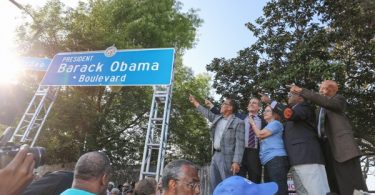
18	173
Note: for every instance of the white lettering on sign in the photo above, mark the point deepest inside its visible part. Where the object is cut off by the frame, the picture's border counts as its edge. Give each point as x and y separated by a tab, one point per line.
142	66
77	59
115	67
81	68
100	78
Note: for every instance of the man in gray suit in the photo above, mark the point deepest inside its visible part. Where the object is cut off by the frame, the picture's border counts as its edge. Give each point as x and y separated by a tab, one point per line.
228	134
339	146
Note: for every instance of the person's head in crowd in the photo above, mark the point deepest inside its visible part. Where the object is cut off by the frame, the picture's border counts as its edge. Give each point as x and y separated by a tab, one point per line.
37	176
254	105
294	99
129	192
92	173
236	185
269	114
132	184
228	106
119	187
110	186
125	187
180	177
145	186
328	88
115	191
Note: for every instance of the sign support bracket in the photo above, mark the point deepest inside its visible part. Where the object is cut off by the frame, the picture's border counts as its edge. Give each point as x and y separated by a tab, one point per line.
33	119
157	133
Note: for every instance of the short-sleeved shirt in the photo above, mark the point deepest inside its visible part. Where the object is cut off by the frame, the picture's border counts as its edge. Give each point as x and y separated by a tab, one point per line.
73	191
273	145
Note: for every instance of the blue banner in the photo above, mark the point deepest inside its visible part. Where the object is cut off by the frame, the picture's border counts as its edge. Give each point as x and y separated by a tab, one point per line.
37	64
111	67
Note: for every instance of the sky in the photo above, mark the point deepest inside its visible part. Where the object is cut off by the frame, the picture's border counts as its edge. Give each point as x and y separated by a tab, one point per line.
222	34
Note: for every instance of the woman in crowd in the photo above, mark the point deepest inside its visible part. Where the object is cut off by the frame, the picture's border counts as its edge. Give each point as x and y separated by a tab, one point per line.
272	151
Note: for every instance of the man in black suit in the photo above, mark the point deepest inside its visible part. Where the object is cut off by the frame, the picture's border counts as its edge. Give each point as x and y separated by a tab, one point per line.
303	147
251	165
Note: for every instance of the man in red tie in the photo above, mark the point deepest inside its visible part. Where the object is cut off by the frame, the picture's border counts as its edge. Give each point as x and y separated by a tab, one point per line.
250	165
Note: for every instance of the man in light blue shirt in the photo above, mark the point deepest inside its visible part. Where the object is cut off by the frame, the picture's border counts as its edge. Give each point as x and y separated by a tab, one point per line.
91	175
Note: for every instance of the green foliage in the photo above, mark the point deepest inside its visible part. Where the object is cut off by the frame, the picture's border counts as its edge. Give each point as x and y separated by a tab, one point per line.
189	130
305	42
97	118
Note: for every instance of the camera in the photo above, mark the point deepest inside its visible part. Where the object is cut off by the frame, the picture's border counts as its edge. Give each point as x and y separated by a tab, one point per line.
10	150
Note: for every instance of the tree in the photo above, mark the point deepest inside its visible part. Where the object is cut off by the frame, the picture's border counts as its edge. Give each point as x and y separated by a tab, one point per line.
305	42
97	118
189	130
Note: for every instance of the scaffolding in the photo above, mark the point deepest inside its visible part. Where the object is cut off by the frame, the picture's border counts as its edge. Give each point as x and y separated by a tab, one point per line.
32	121
157	133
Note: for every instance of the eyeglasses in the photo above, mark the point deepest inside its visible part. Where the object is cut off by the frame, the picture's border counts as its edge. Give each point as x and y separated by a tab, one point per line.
267	111
225	103
192	185
290	94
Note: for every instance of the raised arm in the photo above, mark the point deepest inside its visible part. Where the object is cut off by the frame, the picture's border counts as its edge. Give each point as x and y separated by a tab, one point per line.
334	103
205	112
264	133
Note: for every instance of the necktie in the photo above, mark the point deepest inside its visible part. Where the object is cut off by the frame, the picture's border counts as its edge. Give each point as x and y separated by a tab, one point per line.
321	129
251	141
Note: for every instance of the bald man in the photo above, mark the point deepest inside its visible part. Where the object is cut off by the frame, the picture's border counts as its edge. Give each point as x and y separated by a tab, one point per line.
340	149
91	175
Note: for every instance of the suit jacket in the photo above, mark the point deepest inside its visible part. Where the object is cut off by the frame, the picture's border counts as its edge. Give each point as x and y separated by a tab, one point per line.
232	141
262	124
245	118
337	126
300	136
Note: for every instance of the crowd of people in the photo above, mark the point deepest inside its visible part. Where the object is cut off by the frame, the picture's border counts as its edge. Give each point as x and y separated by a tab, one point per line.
316	145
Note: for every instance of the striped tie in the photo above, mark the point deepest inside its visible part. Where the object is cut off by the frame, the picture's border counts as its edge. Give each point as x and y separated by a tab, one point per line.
251	141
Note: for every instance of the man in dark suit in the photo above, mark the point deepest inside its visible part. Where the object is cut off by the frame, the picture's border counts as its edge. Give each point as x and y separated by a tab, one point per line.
340	149
251	165
228	133
303	147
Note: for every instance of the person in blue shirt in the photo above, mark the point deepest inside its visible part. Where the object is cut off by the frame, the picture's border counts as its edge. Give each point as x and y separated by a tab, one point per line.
272	150
91	175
